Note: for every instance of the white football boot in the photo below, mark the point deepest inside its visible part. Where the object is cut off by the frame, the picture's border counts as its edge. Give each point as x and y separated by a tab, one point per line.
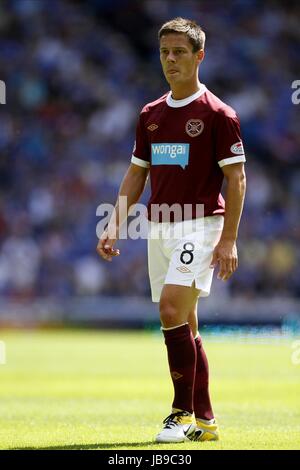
177	427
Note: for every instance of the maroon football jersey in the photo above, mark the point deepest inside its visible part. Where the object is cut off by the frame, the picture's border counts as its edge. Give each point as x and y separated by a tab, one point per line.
185	143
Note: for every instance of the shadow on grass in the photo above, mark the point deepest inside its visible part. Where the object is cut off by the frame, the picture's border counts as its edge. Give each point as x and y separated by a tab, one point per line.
99	446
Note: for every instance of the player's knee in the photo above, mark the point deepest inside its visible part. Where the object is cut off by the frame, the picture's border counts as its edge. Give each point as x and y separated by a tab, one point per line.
169	314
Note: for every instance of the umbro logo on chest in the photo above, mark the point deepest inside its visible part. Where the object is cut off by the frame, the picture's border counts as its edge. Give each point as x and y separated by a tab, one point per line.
152	127
193	127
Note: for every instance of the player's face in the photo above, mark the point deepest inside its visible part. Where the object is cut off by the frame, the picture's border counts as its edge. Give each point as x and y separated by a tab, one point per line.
178	60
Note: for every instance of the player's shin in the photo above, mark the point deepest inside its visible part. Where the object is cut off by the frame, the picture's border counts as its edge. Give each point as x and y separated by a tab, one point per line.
202	404
182	363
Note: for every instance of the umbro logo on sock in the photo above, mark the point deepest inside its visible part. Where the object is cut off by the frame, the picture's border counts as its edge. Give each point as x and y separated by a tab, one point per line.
176	375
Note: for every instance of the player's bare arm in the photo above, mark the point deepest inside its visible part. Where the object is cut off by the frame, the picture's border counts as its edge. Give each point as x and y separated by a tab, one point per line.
132	187
225	253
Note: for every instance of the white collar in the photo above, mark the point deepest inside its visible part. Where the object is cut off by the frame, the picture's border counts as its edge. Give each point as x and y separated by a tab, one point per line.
179	103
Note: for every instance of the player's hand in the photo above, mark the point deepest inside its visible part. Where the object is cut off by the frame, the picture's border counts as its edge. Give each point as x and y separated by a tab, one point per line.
225	254
105	247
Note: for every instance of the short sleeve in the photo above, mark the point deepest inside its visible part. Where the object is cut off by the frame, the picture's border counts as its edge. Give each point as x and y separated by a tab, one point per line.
228	141
141	154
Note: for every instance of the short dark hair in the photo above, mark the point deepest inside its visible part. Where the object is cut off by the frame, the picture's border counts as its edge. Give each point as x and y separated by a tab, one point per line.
190	28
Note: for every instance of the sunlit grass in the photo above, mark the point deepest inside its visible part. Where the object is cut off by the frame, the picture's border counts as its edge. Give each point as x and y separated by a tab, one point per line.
103	390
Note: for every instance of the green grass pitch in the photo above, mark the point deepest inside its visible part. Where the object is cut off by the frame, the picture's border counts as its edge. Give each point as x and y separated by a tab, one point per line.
111	390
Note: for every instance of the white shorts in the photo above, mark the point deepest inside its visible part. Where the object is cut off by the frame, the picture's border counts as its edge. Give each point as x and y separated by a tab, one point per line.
181	252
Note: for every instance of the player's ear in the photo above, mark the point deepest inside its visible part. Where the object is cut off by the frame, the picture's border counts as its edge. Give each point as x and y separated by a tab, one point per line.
200	55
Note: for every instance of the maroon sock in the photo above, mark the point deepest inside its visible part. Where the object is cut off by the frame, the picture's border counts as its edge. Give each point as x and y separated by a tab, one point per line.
202	405
182	363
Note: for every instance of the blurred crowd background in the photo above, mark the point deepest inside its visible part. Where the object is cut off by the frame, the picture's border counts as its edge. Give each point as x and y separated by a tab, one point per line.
77	75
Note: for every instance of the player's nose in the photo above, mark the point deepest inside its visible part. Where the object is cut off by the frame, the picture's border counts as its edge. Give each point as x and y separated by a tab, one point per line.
170	57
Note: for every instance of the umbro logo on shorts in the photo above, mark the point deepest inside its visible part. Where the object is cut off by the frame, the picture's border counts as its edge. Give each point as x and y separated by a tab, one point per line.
183	269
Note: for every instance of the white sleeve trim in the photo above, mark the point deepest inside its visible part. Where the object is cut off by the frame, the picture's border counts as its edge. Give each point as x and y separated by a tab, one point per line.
230	160
140	162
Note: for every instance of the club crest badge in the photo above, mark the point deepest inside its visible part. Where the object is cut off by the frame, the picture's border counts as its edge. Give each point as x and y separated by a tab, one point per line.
194	127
